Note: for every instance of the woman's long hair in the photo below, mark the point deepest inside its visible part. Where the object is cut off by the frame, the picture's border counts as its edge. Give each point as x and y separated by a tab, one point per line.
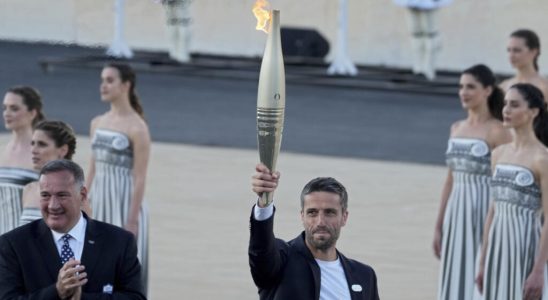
485	76
535	99
532	41
32	99
128	75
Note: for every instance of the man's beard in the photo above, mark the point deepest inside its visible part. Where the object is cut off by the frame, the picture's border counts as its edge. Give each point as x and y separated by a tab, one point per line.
325	243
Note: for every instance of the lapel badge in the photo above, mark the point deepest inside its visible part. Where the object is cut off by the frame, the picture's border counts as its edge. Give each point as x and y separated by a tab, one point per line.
91	242
107	289
357	288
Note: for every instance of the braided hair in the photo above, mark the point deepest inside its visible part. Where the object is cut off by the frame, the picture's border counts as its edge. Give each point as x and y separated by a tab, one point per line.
61	133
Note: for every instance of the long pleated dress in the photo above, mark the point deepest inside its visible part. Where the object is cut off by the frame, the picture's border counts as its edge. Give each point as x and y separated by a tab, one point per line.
470	163
514	235
29	214
12	181
112	187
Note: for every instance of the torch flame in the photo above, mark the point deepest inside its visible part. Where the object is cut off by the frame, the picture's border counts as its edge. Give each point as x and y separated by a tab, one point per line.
262	14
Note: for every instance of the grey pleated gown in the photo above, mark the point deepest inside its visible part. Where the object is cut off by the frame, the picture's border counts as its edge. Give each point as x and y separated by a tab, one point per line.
12	181
112	187
29	214
470	163
514	235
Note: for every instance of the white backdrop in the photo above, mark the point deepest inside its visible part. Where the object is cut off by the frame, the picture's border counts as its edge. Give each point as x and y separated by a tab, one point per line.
472	31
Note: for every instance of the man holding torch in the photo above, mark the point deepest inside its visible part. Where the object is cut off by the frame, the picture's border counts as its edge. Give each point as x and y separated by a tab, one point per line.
309	266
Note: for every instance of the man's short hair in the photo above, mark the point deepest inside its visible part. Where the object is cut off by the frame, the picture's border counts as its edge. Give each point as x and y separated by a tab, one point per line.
326	184
59	165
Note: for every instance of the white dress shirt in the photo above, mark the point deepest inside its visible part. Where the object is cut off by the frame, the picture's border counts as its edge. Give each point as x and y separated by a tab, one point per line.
263	213
76	243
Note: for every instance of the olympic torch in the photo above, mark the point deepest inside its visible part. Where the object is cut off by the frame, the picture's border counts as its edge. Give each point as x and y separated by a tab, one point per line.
271	100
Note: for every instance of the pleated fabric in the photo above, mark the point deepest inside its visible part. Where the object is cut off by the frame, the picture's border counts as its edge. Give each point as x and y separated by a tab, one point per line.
112	187
514	235
29	214
12	181
470	163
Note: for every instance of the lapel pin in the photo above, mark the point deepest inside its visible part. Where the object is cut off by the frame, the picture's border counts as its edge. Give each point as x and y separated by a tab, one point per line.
356	288
107	289
91	242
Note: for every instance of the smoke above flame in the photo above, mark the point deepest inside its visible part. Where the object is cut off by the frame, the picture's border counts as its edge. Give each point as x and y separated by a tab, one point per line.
261	12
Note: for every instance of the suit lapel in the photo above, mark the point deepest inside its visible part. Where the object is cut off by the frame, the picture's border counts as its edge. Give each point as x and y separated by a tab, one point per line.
317	278
356	288
314	268
48	249
92	247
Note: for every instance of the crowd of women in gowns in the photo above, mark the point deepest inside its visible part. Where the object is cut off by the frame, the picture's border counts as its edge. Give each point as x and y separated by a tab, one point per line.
120	153
490	235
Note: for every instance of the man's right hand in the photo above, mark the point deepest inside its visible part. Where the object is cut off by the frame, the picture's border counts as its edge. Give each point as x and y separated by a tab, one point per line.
264	180
70	278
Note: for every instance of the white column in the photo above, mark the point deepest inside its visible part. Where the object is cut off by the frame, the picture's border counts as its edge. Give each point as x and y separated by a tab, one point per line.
178	24
119	48
342	65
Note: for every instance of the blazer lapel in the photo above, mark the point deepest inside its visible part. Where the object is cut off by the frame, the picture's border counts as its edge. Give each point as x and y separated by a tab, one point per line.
92	247
48	249
314	268
356	288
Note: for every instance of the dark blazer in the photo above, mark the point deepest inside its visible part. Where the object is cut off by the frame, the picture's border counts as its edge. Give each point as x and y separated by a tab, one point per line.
287	270
30	263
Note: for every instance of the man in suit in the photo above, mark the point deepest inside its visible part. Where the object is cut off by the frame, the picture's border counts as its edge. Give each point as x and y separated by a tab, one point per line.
67	255
308	267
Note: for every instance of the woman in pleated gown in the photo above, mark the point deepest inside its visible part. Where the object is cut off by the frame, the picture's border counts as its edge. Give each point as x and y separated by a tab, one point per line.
465	196
515	249
22	109
120	153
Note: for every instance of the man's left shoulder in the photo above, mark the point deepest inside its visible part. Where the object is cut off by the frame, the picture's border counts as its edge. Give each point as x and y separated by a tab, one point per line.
110	230
358	266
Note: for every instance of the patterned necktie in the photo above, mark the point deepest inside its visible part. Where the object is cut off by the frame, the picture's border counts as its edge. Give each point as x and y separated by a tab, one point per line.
66	252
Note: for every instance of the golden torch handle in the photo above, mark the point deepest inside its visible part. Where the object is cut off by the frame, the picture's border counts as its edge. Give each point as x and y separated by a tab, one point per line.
271	101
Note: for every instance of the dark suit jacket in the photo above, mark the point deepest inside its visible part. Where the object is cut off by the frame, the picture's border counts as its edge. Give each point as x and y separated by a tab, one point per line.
30	263
287	270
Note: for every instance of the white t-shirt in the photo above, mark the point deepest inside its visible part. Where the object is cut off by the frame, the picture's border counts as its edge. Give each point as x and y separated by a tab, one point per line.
333	281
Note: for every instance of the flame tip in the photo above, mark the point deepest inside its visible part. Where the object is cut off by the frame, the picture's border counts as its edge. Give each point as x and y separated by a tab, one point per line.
262	13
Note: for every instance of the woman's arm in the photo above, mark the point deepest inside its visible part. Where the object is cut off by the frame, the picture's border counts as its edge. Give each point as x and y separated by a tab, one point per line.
141	147
447	187
532	288
484	244
91	168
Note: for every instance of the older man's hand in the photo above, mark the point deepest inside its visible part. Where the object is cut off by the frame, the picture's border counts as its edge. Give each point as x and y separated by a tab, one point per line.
71	277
